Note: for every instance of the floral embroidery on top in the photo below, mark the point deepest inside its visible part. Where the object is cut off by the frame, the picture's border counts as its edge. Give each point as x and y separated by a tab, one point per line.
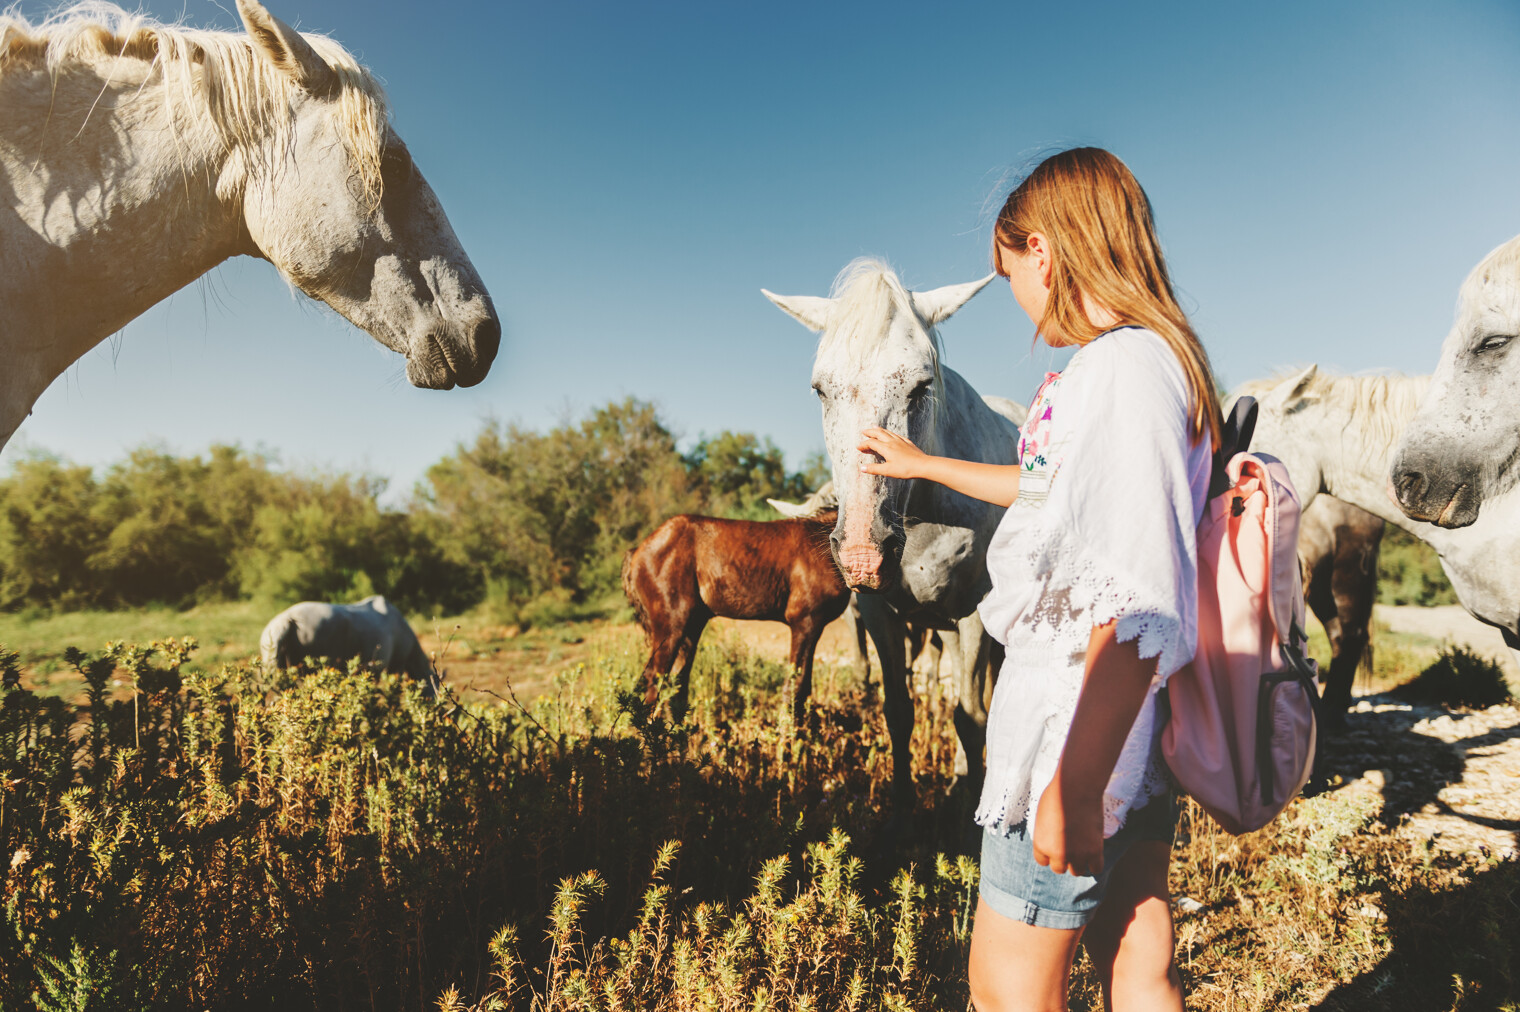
1036	453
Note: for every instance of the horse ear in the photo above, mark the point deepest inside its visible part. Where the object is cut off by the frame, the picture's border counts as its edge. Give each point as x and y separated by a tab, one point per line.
1290	390
812	311
283	46
940	304
790	510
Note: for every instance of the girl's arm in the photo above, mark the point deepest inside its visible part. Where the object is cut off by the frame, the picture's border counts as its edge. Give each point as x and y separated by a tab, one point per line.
1068	824
994	483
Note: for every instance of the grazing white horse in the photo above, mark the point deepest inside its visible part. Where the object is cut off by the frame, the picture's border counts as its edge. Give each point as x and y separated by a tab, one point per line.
1462	448
1338	435
914	549
370	631
136	156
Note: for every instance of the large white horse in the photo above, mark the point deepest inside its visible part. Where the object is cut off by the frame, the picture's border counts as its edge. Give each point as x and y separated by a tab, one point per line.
915	549
1462	449
136	156
1338	435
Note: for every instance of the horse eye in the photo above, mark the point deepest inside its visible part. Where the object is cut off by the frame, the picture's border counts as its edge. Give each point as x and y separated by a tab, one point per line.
819	391
1494	342
396	164
920	388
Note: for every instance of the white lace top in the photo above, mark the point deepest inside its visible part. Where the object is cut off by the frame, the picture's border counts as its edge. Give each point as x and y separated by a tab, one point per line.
1103	529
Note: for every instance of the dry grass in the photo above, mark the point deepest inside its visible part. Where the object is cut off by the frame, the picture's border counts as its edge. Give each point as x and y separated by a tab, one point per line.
215	838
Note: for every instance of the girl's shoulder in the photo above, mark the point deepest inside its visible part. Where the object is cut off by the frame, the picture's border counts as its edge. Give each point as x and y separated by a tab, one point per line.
1126	345
1128	353
1130	366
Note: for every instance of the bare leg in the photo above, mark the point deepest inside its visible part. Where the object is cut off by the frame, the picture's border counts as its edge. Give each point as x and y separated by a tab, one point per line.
1017	967
1130	940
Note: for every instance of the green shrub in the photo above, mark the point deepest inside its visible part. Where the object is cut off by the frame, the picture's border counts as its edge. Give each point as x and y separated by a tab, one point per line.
1409	571
1459	677
213	840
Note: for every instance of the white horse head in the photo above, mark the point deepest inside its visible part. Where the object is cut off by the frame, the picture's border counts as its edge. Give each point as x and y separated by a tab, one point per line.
1463	446
135	156
335	201
878	364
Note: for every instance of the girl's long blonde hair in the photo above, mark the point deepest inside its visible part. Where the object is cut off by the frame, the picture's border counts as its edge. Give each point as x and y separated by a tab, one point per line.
1103	245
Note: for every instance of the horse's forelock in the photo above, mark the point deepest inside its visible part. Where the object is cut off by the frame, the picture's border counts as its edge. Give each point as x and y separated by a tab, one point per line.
868	295
245	96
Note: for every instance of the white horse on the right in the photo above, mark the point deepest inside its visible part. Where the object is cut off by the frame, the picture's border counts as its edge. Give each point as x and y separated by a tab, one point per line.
1339	435
1461	452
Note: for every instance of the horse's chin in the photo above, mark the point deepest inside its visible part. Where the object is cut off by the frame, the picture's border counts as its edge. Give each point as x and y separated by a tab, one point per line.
428	375
442	361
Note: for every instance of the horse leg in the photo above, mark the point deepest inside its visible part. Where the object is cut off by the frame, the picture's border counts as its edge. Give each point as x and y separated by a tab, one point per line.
1512	640
686	656
886	629
805	633
858	635
662	654
971	695
1320	596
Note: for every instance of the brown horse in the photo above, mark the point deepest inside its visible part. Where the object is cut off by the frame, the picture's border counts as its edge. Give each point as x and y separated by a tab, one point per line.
693	568
1338	551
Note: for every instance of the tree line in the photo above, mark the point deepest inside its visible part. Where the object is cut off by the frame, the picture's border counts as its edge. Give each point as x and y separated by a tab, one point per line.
531	523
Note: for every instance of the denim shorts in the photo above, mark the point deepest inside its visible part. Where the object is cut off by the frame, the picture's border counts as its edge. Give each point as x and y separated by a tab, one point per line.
1019	889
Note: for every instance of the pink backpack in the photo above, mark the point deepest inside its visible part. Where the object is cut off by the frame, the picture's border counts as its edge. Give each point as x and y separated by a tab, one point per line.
1241	732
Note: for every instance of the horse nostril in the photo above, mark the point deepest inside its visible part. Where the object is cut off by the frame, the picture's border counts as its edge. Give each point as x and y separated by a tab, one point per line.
486	339
1411	485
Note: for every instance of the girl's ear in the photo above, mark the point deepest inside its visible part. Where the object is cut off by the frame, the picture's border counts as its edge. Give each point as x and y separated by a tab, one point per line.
1039	247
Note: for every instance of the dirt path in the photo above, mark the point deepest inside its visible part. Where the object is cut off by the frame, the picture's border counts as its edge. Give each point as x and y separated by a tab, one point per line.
1446	776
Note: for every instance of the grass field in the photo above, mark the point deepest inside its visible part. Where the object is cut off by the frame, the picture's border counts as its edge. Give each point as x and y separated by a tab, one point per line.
221	840
481	655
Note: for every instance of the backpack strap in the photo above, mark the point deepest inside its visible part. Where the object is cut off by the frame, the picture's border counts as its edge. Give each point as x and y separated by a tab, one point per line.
1234	437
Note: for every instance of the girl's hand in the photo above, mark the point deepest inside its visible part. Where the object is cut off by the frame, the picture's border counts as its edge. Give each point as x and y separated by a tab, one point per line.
1068	836
899	457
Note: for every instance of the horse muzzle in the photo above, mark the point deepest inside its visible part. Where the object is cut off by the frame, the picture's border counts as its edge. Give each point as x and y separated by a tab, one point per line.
868	568
442	361
1441	497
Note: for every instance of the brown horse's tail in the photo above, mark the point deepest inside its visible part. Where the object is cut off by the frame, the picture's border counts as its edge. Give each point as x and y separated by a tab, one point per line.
631	592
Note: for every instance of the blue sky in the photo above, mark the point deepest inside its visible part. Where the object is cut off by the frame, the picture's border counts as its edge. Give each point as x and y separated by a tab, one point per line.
626	177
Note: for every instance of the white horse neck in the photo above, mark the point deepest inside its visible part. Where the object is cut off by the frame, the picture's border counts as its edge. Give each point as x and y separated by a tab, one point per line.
110	200
1360	434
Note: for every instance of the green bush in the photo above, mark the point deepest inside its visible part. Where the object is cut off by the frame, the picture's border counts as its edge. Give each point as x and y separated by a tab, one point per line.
516	520
1409	571
1458	677
333	840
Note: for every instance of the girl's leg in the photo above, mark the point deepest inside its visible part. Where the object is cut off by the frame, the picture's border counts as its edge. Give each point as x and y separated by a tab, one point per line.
1130	938
1017	967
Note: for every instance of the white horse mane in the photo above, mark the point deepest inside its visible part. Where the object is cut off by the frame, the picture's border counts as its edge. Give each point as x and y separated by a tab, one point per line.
1383	405
869	295
217	73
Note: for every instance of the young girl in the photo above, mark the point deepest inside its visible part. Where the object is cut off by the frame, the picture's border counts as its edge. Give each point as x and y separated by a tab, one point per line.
1094	593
